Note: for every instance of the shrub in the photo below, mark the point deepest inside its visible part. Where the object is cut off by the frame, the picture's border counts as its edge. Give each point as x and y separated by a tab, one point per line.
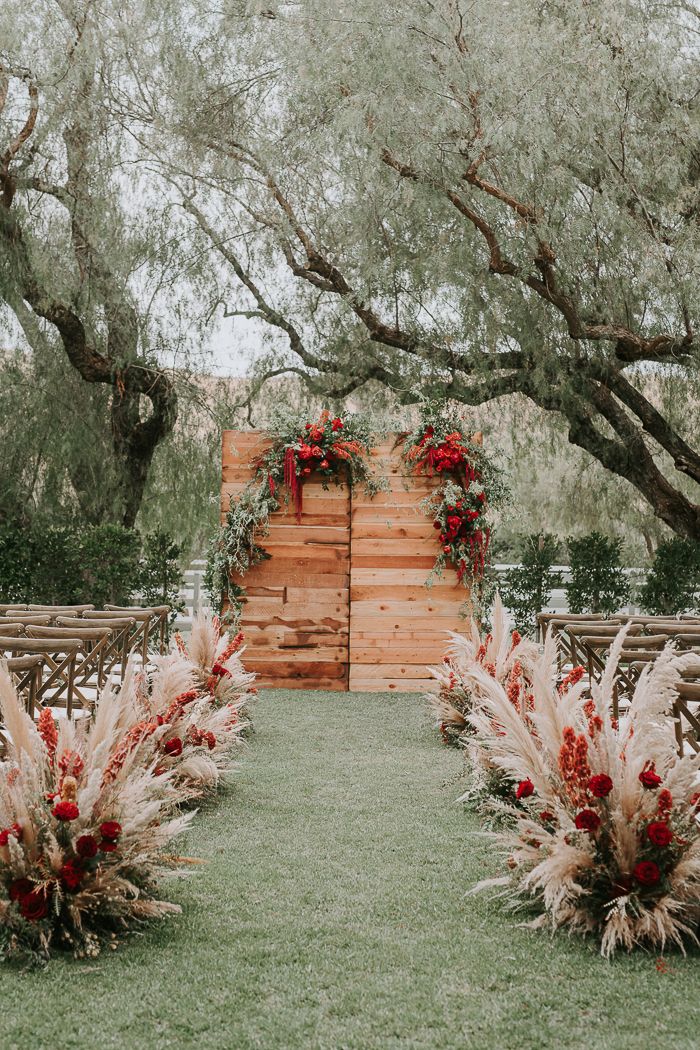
526	590
598	582
16	557
111	568
673	584
160	575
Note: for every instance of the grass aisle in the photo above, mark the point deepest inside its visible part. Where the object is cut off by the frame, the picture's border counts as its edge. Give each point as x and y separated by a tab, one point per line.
332	915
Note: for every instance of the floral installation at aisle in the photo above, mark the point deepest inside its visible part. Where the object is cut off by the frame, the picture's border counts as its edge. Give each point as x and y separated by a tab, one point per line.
87	808
604	839
503	653
333	448
462	506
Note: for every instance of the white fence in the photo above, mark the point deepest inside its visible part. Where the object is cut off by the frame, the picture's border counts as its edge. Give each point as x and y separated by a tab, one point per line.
195	598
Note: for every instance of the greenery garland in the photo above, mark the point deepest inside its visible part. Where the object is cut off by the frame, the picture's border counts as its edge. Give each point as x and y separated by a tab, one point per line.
334	448
462	506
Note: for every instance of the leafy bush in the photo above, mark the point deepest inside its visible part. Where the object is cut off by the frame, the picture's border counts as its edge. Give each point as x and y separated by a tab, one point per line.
673	584
100	564
598	583
526	590
161	576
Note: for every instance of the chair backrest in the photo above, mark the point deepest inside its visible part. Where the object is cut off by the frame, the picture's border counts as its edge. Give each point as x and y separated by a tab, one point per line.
113	623
133	614
601	629
11	630
26	645
10	608
138	608
84	633
36	619
24	663
61	608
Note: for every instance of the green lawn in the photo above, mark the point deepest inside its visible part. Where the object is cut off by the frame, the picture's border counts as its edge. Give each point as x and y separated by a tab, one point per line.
332	914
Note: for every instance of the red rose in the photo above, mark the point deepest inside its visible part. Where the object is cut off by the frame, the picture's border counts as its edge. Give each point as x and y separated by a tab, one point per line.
220	671
337	424
525	789
437	525
587	820
173	746
19	888
86	846
65	811
647	873
34	906
659	833
600	785
110	829
649	778
324	464
15	831
108	845
317	452
71	875
453	522
446	549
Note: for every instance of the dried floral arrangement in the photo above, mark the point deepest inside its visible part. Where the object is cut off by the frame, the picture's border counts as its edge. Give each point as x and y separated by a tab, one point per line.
604	838
462	506
333	448
88	808
503	653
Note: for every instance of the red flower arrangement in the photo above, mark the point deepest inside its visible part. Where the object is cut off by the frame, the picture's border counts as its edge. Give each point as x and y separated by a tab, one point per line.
471	488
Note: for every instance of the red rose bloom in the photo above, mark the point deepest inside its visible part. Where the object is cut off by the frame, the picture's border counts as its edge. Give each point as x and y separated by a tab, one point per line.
600	785
337	424
20	888
647	873
659	833
525	789
649	778
34	906
15	831
110	829
173	746
86	846
71	875
108	845
65	811
587	820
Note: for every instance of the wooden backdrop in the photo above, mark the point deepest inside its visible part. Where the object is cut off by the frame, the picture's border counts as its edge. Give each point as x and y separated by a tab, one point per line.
342	602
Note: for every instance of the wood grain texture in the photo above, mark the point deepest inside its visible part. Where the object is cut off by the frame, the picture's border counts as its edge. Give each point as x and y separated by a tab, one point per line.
296	616
342	602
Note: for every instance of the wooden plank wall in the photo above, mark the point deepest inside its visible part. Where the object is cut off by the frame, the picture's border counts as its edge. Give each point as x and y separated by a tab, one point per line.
296	618
342	603
397	625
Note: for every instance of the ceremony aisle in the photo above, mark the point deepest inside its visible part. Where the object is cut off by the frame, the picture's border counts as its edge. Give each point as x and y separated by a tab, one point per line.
332	914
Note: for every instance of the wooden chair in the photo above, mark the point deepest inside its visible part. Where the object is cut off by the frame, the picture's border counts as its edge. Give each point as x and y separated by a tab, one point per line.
159	626
27	673
116	650
59	656
95	642
545	620
687	722
139	629
574	632
4	609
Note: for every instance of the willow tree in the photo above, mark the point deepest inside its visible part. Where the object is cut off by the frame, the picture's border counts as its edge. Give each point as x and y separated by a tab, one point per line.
477	199
77	243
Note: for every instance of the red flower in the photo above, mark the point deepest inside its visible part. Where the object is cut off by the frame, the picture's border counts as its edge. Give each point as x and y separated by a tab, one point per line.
324	464
173	746
15	831
337	424
664	803
65	811
86	846
71	875
600	785
647	873
446	549
547	817
587	820
649	778
220	671
525	789
659	833
110	829
34	906
437	525
19	888
108	845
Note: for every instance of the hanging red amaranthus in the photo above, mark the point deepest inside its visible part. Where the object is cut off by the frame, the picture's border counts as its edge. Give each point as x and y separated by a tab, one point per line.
292	481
